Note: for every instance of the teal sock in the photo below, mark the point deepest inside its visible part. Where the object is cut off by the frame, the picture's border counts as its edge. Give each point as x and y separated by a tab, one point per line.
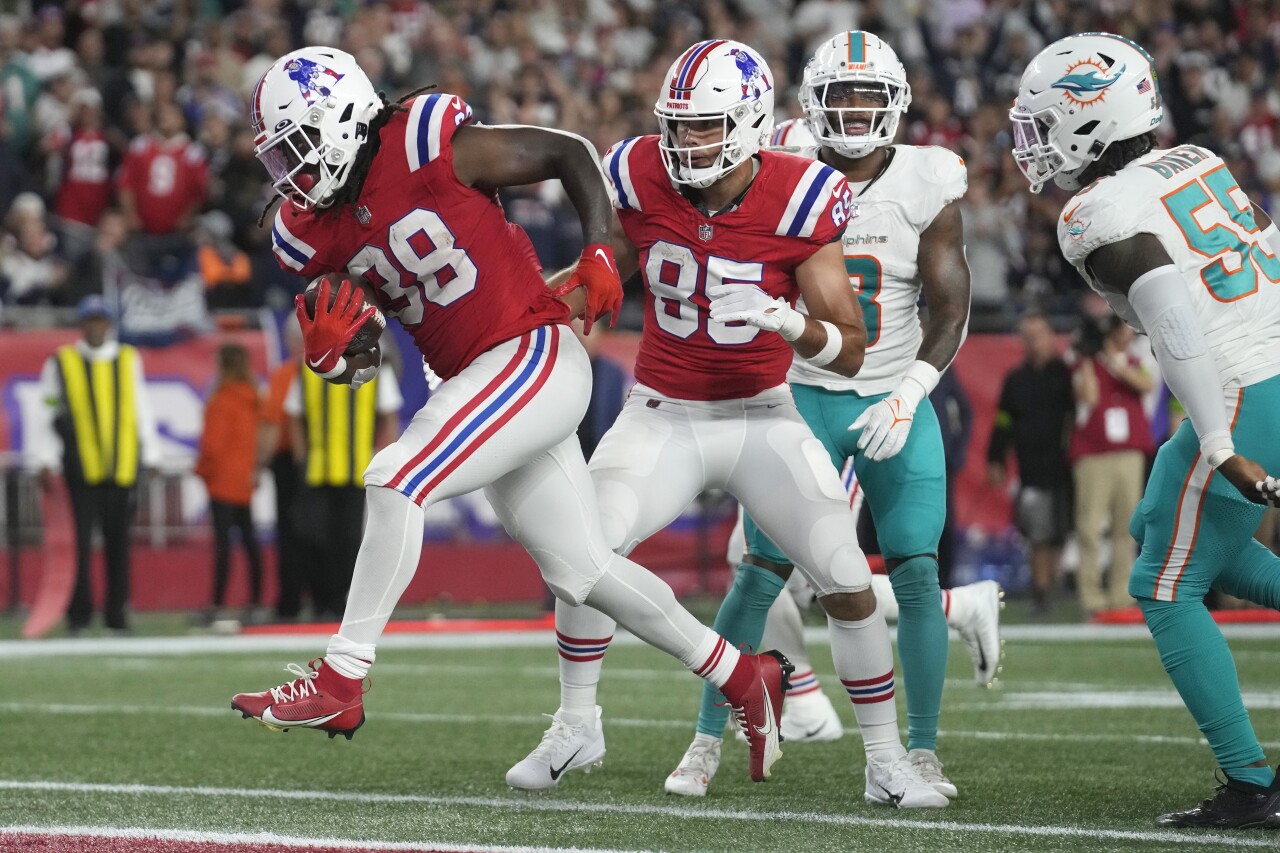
1260	776
922	646
1253	574
1195	655
740	620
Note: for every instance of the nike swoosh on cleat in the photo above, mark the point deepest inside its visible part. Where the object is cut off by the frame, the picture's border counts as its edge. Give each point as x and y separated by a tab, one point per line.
896	799
767	729
982	656
268	717
555	773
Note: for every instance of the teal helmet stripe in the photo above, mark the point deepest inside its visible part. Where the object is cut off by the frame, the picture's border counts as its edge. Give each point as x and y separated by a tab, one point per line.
857	46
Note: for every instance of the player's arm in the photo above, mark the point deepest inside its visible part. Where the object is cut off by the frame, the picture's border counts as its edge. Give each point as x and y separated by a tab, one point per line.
624	252
944	274
489	158
1140	269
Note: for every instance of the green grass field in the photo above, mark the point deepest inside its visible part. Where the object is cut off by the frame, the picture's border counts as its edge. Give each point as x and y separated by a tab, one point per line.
1080	747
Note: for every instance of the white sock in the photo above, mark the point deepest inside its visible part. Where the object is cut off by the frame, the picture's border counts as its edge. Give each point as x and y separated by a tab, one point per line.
583	635
347	658
784	631
883	588
863	657
386	563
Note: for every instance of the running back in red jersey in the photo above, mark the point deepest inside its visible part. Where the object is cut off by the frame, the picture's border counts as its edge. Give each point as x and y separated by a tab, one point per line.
793	208
440	255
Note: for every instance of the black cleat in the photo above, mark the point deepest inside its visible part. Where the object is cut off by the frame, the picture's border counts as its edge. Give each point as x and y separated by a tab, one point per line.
1235	805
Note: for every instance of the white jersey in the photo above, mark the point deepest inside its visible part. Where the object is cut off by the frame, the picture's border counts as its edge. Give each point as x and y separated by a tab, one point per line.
1188	199
881	242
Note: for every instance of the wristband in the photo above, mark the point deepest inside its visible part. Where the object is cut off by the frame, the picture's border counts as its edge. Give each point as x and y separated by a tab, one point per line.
1216	448
338	369
831	349
793	324
923	378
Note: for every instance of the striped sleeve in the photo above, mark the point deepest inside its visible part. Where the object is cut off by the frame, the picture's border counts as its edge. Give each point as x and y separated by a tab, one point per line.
617	172
816	207
431	124
291	252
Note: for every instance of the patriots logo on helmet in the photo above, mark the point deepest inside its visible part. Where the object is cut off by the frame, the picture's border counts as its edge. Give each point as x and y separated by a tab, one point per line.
754	80
314	80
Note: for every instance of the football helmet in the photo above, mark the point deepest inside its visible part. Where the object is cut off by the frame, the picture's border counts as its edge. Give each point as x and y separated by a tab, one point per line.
1079	95
852	63
715	80
311	112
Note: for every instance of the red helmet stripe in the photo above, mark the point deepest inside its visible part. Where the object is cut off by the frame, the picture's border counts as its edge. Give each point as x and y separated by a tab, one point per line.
693	59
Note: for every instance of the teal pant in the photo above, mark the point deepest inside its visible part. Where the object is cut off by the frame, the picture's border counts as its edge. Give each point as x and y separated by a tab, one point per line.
906	493
1195	530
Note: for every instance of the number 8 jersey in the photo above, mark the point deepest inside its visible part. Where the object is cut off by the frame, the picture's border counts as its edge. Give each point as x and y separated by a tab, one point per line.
441	256
792	209
1188	199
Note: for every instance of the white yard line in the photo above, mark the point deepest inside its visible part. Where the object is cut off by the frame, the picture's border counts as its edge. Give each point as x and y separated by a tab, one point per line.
516	804
314	643
278	841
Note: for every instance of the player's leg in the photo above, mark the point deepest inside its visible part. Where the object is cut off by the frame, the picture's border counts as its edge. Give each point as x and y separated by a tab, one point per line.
1190	525
1254	575
549	505
785	480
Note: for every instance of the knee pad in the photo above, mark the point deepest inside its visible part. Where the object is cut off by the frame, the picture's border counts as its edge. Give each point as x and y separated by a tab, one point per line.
915	580
846	570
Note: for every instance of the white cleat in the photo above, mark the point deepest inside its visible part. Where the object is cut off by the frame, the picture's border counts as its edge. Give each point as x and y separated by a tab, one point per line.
697	769
810	717
926	763
978	623
897	783
571	743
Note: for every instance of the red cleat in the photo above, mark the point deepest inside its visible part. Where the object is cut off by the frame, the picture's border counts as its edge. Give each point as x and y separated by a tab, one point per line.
321	699
755	692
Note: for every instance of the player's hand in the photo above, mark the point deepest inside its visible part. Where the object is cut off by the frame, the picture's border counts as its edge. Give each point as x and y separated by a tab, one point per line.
596	271
885	427
746	303
1251	480
326	336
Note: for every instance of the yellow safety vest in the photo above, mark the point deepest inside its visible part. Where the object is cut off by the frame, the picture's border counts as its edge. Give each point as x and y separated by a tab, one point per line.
102	403
340	430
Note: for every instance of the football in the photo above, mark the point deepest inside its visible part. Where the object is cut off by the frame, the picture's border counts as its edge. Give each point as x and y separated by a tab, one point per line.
366	338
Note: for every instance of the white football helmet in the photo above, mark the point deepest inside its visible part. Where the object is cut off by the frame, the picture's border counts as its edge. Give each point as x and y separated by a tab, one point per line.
311	112
848	63
716	79
1079	95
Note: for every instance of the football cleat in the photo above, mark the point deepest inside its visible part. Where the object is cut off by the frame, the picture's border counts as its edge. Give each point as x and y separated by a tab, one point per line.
697	769
320	699
755	691
926	763
1235	805
810	717
897	783
978	624
571	743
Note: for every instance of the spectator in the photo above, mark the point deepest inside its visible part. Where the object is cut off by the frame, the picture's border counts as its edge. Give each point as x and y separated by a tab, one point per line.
33	272
1034	421
223	268
228	462
163	181
101	466
81	162
336	431
1108	452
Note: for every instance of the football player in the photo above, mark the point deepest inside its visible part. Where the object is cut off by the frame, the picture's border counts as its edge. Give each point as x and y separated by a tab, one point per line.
726	237
404	196
903	236
1182	254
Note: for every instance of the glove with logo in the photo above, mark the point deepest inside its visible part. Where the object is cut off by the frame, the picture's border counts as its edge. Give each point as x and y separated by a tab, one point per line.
731	303
886	425
326	335
598	273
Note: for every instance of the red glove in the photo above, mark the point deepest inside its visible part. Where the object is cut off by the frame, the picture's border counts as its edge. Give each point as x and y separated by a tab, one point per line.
597	271
326	336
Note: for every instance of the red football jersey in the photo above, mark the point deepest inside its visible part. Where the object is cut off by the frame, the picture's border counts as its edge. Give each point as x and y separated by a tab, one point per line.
168	178
442	256
793	208
85	190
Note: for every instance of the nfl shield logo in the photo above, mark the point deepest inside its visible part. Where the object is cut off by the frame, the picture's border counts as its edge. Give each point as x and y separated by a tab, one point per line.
855	210
363	216
704	232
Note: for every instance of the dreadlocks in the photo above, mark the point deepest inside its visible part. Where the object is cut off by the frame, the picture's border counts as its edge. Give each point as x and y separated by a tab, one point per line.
348	195
1117	156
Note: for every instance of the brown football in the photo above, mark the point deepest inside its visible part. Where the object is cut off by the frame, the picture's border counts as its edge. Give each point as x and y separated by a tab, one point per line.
367	337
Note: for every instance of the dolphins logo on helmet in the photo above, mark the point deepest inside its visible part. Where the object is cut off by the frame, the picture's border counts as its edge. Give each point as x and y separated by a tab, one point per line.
1088	86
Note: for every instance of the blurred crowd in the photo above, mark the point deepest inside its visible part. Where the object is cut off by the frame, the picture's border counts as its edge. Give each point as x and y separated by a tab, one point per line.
125	152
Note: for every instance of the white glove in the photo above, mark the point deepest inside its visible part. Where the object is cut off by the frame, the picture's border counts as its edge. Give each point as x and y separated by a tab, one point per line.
886	425
749	304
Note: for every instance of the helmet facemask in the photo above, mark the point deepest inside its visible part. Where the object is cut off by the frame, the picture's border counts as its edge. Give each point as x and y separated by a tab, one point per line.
304	168
853	116
742	128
